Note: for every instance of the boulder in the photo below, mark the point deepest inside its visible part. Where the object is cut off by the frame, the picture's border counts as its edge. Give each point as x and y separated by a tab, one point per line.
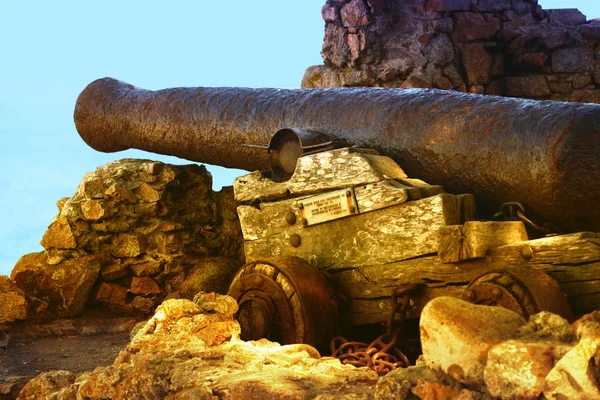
64	288
13	301
46	384
456	336
576	375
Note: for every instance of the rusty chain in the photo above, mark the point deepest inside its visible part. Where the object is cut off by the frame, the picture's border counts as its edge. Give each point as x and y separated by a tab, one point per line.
515	211
382	354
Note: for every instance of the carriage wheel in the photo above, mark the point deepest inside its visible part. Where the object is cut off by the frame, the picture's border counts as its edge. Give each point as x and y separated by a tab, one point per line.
523	290
285	300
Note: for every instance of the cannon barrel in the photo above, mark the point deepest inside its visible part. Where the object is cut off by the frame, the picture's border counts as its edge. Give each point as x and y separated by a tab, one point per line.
545	154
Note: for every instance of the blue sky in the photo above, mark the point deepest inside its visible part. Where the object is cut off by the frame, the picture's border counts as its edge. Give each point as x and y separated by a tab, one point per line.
52	50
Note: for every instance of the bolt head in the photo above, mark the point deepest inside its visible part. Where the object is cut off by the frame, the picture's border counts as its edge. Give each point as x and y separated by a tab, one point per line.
295	240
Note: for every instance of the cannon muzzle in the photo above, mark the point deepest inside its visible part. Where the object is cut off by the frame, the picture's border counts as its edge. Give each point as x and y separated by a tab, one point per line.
545	154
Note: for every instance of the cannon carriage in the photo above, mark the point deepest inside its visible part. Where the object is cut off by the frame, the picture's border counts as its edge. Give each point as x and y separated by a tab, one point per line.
337	216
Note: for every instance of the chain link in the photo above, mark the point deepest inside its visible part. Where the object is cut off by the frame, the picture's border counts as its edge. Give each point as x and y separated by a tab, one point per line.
381	355
515	211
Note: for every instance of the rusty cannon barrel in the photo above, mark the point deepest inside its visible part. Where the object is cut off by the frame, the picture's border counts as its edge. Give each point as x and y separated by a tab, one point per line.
545	154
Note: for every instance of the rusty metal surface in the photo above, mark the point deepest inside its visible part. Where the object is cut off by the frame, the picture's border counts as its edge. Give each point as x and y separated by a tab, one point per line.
383	354
286	300
523	290
542	153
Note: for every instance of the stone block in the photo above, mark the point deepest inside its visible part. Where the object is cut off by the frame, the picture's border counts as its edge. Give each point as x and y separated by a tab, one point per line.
527	86
111	294
470	26
59	235
477	63
66	285
120	193
531	61
491	5
147	193
573	59
320	76
444	25
447	5
439	50
129	245
456	336
566	16
144	286
590	30
93	210
580	81
114	271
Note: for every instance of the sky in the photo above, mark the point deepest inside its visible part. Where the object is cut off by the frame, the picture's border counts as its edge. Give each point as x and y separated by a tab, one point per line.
52	50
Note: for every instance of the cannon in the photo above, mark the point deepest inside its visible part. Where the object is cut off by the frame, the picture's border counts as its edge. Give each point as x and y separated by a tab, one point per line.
544	154
359	196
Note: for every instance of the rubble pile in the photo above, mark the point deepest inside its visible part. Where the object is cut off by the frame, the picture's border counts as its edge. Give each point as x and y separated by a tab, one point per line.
510	48
495	353
134	233
191	350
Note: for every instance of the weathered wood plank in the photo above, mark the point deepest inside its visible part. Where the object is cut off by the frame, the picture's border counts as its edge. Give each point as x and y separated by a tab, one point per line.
391	234
370	311
378	195
320	172
560	257
474	238
571	249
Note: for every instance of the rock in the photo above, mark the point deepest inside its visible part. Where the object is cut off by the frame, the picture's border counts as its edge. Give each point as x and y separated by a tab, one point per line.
575	376
13	301
114	271
516	369
93	210
572	59
397	384
121	193
207	275
147	193
111	294
588	326
447	5
439	50
45	384
532	86
470	26
355	14
10	386
335	47
566	16
547	327
129	245
65	286
144	286
434	390
477	63
591	30
456	336
59	235
184	352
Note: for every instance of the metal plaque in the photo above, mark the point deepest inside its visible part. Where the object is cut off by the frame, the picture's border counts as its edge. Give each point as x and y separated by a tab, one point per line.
327	207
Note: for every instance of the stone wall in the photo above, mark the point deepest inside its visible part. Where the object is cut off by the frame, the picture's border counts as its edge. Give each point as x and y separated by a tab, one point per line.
500	47
134	233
